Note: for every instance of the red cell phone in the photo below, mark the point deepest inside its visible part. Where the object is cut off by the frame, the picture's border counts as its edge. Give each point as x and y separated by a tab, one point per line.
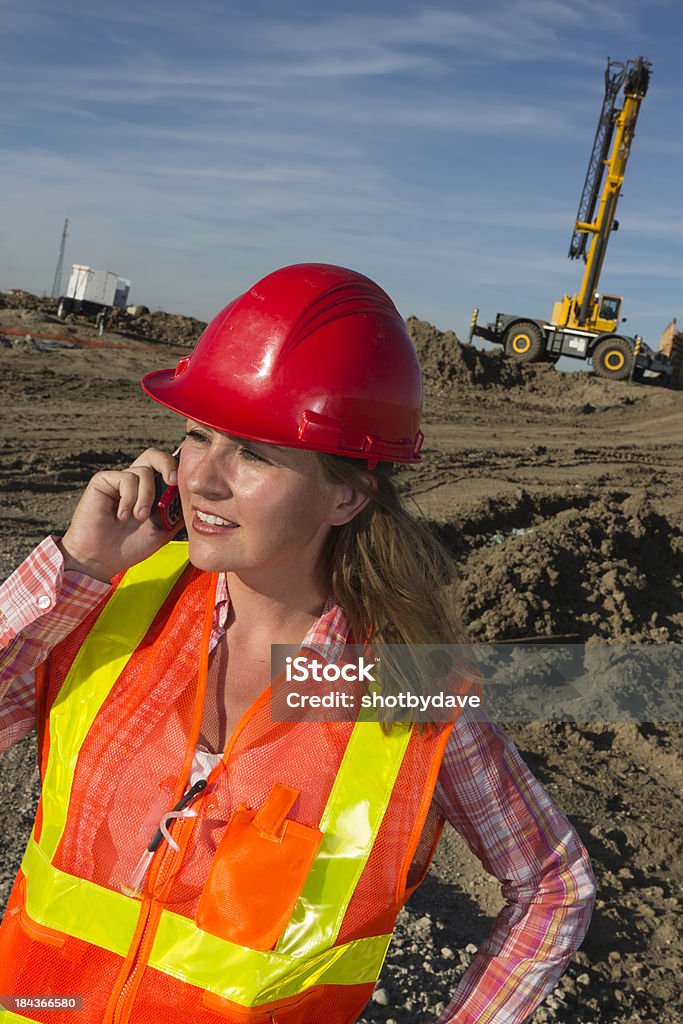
167	512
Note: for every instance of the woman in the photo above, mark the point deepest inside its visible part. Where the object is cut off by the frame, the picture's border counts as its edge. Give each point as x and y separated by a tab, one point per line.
194	857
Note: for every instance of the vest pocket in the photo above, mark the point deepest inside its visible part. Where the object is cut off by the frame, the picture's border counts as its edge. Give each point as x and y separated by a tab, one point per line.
39	932
257	872
294	1010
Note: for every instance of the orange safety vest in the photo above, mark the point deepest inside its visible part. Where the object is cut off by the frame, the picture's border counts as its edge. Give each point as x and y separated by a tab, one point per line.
278	905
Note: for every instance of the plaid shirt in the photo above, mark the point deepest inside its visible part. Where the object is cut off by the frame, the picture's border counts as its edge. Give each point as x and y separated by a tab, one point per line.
484	789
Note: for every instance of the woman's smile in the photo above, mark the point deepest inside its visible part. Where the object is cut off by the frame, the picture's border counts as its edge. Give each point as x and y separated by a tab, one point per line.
202	521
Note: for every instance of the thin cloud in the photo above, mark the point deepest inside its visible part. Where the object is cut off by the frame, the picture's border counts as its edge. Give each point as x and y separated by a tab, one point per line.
441	150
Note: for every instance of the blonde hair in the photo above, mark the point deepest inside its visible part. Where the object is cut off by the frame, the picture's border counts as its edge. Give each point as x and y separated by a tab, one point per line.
394	579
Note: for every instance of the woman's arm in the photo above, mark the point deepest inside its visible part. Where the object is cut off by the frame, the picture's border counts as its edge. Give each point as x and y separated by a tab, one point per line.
508	820
40	604
61	581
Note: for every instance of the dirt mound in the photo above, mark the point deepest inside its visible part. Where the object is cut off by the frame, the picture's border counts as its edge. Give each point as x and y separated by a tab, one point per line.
446	362
586	570
449	366
158	326
22	308
19	299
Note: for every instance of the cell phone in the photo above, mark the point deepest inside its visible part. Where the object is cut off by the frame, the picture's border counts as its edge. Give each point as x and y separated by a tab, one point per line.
167	512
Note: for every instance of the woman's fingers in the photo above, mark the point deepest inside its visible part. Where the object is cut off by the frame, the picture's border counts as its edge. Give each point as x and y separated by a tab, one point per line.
138	492
128	485
138	485
162	462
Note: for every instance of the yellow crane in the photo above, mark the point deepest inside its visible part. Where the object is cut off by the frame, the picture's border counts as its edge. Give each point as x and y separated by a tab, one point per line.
587	325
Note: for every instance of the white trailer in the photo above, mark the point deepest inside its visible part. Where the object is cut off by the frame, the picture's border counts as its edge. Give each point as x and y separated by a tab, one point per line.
93	292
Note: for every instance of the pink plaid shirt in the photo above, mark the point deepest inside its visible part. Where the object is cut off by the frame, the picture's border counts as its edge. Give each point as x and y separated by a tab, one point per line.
484	789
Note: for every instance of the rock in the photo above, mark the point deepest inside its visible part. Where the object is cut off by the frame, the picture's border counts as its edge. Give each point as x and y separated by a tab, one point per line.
381	997
569	986
423	925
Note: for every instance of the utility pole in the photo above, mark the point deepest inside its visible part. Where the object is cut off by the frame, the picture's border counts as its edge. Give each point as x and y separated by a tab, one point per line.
57	283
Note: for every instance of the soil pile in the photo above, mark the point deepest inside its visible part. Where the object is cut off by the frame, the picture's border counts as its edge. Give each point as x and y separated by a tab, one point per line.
451	368
19	299
447	363
563	520
19	309
158	326
585	570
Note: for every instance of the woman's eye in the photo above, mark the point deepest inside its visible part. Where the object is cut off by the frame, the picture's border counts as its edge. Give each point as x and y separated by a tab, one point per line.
252	456
248	454
196	435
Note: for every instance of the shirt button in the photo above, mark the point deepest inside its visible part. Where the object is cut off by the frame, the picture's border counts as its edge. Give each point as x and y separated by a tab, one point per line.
43	602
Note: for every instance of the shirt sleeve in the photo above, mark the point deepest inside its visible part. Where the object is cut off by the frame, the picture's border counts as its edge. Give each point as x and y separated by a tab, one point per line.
40	604
508	820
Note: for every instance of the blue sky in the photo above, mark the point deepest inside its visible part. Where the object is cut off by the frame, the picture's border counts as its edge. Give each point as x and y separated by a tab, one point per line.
440	148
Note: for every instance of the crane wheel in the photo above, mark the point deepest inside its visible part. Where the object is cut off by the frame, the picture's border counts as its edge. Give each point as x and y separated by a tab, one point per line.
612	359
524	342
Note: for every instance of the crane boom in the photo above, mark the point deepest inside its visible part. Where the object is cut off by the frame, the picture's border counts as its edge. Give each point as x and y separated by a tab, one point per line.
601	189
615	74
635	87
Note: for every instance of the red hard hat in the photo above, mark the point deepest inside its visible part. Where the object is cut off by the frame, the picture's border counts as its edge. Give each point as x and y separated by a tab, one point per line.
313	356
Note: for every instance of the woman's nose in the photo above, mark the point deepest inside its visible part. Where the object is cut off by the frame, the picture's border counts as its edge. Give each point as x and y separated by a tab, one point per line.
208	476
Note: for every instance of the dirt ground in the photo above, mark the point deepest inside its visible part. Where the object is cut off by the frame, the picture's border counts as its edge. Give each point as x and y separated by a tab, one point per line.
561	496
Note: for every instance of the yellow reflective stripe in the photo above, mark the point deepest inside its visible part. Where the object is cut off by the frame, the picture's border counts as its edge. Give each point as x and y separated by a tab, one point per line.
108	919
77	907
249	977
106	652
350	822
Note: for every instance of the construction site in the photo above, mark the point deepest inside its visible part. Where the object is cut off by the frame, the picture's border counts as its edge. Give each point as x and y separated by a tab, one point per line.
561	495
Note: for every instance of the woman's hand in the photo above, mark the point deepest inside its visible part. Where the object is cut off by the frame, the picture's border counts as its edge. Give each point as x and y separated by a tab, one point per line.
111	528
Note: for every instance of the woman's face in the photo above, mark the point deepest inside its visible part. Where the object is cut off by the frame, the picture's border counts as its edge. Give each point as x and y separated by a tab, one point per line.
252	507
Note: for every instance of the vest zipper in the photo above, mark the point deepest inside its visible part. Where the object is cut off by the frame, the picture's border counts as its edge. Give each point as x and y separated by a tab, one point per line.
121	1010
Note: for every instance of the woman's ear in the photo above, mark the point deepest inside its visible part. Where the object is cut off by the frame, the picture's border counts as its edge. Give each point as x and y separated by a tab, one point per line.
349	501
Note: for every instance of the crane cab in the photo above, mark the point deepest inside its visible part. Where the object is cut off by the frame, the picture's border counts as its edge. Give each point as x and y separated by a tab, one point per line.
603	314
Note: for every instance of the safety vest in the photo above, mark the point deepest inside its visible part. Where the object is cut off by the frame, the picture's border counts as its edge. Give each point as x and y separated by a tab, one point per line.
279	902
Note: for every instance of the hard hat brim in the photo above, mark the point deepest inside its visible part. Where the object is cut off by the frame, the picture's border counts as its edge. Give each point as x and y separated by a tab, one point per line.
165	388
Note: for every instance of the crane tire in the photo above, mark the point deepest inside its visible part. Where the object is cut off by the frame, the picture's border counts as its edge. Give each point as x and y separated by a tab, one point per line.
612	359
524	341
